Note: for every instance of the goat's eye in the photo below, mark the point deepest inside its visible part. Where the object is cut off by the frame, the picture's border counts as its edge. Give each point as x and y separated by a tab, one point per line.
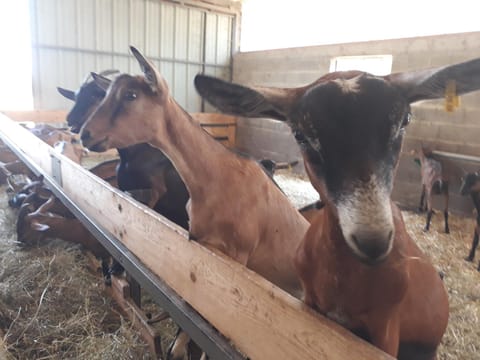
130	95
406	120
299	137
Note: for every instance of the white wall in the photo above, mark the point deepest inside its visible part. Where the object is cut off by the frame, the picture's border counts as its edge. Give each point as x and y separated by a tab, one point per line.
16	59
272	24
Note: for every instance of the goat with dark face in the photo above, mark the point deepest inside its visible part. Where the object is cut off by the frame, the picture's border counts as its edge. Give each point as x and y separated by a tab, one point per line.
86	99
471	185
141	166
357	263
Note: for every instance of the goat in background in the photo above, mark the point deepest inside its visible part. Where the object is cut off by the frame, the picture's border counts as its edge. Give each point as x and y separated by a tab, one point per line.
471	185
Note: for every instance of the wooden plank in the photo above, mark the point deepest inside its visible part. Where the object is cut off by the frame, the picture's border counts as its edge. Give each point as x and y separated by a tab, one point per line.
47	116
55	116
119	292
214	118
223	131
262	321
222	125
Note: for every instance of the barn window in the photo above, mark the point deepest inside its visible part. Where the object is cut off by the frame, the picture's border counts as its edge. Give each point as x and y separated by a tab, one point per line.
374	64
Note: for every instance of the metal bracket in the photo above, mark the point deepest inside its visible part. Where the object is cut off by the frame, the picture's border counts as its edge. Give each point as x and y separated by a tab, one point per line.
56	169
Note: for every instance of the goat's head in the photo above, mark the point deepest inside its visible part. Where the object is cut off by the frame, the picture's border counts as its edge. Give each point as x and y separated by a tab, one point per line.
72	149
32	224
139	98
350	126
25	234
470	183
86	99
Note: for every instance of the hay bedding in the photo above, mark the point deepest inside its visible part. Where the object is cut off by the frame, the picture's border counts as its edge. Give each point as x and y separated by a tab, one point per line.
53	307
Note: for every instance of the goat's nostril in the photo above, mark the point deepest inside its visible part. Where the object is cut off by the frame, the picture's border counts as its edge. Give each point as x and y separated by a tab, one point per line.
85	135
373	248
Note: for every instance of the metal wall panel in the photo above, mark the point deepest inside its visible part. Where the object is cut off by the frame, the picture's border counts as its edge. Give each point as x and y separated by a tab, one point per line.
73	37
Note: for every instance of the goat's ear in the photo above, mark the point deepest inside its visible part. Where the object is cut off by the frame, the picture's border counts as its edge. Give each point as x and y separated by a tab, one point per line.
246	101
432	83
39	227
69	94
108	72
152	76
101	81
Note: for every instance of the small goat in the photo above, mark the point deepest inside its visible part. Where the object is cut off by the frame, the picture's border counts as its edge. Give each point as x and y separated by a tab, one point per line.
36	225
471	185
433	183
357	263
7	155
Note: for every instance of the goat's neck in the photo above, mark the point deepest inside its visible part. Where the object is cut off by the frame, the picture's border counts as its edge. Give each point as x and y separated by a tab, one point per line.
332	232
197	157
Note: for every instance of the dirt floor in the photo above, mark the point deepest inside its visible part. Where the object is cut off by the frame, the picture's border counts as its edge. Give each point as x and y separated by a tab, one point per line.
52	306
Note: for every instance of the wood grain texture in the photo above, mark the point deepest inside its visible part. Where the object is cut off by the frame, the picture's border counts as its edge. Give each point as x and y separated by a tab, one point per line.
262	321
43	116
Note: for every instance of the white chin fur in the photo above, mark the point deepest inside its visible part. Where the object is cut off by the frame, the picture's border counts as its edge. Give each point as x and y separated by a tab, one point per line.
366	213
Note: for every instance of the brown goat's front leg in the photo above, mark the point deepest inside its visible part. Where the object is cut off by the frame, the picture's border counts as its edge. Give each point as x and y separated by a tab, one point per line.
471	255
429	210
421	207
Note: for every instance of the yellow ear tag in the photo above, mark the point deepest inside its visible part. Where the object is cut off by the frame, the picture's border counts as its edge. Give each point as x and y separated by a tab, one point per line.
452	100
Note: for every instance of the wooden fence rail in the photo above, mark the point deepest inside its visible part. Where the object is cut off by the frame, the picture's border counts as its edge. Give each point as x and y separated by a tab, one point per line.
261	320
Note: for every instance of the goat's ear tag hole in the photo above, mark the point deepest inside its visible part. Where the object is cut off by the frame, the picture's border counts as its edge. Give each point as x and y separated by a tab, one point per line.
452	100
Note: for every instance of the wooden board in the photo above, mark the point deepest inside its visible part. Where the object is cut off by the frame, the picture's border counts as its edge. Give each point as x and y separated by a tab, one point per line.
43	116
261	320
220	126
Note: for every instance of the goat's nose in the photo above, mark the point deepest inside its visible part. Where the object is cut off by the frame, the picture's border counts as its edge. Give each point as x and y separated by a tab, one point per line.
85	136
374	247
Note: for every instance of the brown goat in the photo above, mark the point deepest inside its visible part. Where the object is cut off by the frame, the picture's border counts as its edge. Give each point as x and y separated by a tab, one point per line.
357	263
33	226
433	183
72	149
7	155
247	230
471	185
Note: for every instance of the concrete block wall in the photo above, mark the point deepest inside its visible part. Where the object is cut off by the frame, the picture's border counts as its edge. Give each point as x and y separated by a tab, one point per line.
457	132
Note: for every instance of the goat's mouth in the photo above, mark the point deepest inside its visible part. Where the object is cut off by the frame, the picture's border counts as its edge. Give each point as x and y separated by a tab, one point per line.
75	128
371	261
371	250
99	146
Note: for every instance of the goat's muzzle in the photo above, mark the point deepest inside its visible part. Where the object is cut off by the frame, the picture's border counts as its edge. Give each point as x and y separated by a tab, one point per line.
366	221
93	144
373	248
